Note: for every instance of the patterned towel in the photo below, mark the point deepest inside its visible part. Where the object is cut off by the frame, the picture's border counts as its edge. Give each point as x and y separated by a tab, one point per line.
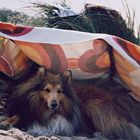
84	53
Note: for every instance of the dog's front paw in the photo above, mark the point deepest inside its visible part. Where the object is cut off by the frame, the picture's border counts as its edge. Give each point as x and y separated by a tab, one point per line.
5	126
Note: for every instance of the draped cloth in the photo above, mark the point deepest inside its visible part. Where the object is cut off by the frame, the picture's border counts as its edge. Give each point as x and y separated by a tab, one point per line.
84	53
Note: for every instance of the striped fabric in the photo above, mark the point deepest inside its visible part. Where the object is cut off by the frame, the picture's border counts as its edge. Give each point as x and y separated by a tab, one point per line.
84	53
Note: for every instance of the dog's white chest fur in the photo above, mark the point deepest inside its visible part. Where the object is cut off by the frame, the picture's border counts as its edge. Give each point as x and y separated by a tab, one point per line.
58	125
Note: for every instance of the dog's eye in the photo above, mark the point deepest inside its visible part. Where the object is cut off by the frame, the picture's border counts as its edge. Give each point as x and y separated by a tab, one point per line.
59	91
47	89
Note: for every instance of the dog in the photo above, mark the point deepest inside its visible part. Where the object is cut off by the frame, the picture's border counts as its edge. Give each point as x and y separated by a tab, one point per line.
45	105
51	104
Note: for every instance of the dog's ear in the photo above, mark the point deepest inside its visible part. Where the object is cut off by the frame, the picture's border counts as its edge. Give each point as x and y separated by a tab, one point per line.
41	72
67	76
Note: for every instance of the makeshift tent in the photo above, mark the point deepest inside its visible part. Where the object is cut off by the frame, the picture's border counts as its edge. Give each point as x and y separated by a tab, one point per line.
86	54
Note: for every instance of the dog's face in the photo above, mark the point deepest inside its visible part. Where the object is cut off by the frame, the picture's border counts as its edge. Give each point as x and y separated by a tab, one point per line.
51	95
54	89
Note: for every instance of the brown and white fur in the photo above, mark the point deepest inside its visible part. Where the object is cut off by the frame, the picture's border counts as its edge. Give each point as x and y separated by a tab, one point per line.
46	105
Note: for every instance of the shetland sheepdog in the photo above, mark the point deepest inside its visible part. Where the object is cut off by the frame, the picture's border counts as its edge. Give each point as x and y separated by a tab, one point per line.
50	104
45	105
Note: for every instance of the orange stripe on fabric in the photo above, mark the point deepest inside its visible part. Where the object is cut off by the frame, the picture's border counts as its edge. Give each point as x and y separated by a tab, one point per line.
73	63
38	49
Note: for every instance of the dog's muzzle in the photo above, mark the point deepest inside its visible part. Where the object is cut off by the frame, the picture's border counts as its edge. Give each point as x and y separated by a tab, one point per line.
53	105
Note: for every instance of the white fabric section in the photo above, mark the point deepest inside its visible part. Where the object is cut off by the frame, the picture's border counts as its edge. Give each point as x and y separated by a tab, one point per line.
55	36
76	50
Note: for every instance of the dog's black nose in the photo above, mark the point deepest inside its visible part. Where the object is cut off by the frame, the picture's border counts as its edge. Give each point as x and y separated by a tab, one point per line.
54	105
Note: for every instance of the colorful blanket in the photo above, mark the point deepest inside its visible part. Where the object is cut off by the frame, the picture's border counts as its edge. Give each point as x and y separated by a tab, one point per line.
84	53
